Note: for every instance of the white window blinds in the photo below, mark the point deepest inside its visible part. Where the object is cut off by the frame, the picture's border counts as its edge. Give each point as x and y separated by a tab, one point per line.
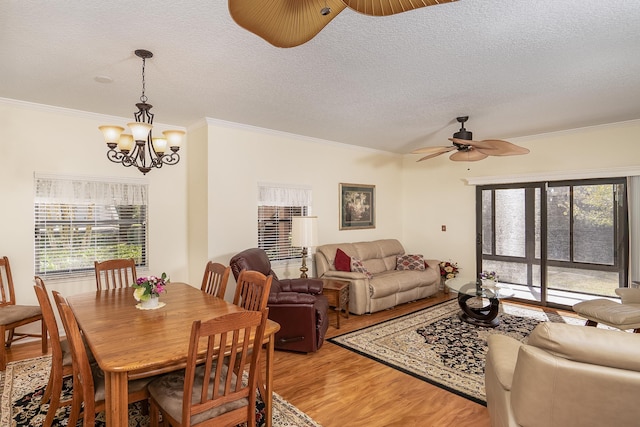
277	203
79	220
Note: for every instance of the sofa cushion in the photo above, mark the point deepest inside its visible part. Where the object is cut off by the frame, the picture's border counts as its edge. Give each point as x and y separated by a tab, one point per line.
356	265
410	262
342	261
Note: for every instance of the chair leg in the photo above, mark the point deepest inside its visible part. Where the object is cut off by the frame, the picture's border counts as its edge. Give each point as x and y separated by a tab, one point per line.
591	323
45	336
7	343
3	350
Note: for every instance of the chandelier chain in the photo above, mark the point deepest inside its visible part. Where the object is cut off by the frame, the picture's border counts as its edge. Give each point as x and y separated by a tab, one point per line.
143	97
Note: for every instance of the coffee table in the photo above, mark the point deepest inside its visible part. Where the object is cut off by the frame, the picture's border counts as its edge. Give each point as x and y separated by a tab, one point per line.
471	293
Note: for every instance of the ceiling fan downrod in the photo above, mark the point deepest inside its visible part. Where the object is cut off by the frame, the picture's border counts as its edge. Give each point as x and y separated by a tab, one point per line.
463	133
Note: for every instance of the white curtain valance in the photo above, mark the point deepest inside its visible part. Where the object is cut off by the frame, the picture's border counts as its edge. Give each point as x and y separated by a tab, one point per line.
283	195
68	189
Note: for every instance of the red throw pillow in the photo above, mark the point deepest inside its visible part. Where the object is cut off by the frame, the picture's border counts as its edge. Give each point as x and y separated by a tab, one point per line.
342	261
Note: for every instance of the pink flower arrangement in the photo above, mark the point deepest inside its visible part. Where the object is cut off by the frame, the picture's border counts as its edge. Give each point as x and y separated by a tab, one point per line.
150	286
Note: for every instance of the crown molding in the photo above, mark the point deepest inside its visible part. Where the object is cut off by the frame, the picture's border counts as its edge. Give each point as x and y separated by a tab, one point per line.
556	176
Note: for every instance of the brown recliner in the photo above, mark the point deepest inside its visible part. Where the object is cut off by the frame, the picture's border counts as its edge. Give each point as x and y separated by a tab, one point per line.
296	304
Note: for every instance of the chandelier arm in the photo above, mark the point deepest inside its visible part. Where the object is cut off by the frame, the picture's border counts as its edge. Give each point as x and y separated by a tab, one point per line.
170	159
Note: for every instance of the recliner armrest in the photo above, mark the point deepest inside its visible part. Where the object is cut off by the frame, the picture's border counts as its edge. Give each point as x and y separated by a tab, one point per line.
305	286
291	298
629	295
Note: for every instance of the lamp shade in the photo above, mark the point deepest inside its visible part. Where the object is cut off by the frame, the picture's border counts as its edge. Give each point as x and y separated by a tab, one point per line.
304	231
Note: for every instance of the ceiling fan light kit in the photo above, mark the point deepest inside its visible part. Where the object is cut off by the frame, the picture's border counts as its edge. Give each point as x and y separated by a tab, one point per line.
290	23
469	150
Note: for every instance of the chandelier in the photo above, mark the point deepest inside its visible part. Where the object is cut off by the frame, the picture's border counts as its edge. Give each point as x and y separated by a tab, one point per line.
141	149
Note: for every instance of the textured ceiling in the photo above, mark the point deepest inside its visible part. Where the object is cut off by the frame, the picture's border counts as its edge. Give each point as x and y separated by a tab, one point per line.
394	83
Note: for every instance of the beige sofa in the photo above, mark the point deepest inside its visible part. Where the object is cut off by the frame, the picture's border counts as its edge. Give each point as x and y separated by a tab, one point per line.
566	375
388	286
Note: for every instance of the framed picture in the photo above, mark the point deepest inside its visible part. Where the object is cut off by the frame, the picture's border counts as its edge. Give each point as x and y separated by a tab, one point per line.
357	206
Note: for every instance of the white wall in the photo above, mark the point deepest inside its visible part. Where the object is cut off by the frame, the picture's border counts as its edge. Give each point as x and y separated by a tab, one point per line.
37	138
241	156
435	191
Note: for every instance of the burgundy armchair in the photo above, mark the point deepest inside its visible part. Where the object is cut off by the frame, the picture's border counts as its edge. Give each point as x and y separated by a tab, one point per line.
296	304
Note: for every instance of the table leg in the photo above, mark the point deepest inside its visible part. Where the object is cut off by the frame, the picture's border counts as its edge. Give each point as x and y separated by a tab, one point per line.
116	399
268	398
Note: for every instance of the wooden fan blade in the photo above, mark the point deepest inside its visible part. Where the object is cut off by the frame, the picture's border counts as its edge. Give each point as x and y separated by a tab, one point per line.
436	153
476	144
502	148
429	150
468	156
390	7
284	23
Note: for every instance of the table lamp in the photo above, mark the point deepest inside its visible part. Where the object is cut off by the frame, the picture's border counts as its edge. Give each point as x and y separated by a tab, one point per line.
304	234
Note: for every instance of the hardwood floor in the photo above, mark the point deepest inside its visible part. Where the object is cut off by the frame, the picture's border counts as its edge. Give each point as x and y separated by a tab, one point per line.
337	387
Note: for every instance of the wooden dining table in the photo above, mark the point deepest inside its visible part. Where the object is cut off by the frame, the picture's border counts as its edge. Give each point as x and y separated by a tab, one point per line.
130	343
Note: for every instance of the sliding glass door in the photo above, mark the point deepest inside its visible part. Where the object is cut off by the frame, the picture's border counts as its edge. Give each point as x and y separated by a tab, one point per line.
555	243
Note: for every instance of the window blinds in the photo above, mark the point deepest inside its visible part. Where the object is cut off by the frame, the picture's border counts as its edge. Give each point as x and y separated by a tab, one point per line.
79	220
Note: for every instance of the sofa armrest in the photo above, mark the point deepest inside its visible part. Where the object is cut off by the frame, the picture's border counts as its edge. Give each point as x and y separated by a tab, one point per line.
305	286
344	275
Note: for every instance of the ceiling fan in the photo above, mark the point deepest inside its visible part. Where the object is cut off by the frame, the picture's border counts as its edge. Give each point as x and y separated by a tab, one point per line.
289	23
469	150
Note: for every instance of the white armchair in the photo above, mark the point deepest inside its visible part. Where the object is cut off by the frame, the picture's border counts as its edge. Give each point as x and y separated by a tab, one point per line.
566	375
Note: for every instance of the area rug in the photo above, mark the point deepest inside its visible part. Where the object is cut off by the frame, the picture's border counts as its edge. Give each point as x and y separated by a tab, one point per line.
434	345
23	383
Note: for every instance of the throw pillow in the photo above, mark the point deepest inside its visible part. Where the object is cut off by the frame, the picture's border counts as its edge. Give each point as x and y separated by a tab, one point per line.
410	262
357	265
342	261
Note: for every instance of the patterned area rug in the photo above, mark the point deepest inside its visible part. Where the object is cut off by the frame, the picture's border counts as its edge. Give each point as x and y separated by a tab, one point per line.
436	346
23	383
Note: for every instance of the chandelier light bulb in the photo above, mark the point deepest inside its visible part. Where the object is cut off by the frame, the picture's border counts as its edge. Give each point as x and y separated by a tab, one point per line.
111	133
174	137
125	143
160	145
140	130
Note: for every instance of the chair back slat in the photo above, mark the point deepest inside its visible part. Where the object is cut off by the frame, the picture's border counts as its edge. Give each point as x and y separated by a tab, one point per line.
83	384
115	273
252	290
215	279
6	283
229	340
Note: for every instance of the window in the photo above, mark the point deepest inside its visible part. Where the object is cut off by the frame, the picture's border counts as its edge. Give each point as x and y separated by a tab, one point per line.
558	242
79	220
277	203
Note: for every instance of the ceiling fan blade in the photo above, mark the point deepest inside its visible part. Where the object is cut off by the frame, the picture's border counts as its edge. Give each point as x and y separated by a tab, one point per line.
502	148
284	23
435	154
428	150
476	144
390	7
467	156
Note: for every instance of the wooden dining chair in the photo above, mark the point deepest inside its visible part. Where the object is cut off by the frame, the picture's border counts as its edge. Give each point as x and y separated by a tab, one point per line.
61	360
115	273
88	379
13	315
215	279
213	393
252	290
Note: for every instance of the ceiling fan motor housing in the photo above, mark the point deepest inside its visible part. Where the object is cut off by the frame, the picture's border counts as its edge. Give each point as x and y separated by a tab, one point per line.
463	134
